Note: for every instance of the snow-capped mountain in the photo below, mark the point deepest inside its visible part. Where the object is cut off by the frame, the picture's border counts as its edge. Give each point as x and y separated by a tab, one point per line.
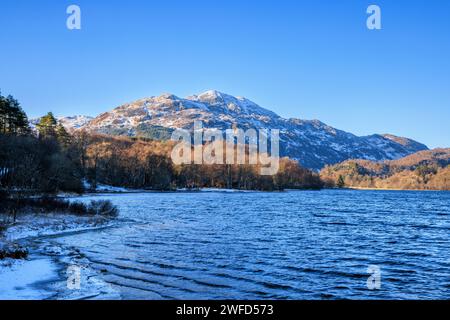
312	142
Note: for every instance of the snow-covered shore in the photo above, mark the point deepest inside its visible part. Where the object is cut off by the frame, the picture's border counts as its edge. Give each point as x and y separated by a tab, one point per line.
43	274
103	188
40	225
19	279
111	189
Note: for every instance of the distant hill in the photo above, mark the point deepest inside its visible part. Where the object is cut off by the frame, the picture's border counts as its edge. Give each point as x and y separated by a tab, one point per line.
425	170
311	142
409	144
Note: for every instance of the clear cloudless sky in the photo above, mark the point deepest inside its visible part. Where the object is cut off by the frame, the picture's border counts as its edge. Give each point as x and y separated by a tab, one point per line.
310	59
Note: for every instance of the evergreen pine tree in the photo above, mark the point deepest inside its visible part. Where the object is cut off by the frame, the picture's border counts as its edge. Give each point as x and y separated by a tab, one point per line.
47	126
18	120
62	135
13	119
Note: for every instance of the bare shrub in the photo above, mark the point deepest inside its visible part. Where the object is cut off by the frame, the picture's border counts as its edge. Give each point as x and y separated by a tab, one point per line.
103	208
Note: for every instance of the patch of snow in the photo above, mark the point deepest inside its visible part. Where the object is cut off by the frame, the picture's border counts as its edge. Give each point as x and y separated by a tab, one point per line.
43	274
19	279
75	122
106	188
34	225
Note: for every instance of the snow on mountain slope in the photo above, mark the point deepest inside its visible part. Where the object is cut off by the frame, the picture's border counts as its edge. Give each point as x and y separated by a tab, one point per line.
312	142
75	122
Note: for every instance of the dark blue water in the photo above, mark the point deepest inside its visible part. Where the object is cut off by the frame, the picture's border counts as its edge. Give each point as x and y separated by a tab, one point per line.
288	245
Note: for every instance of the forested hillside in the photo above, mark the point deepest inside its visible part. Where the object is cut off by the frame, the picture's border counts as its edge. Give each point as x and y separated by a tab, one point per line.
143	163
425	170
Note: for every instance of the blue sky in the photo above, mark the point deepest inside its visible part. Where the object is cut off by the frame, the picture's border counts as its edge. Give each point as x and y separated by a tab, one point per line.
305	59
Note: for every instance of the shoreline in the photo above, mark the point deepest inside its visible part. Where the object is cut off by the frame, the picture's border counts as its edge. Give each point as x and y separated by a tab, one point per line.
393	189
43	274
225	190
212	190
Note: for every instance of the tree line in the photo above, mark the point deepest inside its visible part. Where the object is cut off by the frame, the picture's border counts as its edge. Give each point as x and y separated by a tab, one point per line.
43	160
144	163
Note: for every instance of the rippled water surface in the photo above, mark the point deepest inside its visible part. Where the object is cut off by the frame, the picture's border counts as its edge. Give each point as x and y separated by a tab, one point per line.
288	245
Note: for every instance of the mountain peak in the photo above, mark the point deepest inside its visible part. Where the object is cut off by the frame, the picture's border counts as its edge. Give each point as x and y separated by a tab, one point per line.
211	94
215	95
168	96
